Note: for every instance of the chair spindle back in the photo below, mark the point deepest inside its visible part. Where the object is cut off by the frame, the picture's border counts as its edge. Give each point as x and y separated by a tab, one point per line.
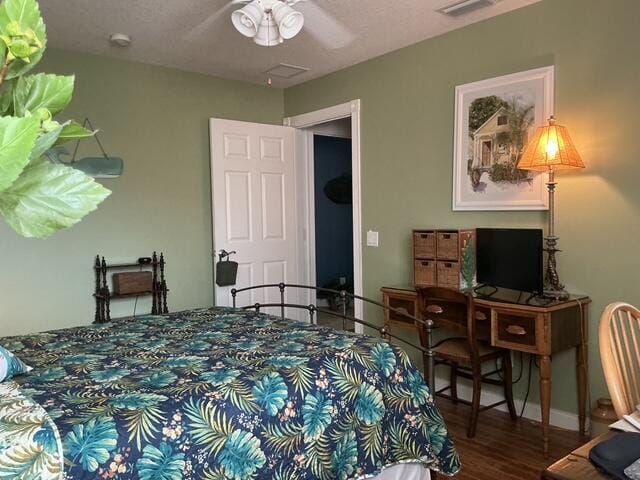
620	355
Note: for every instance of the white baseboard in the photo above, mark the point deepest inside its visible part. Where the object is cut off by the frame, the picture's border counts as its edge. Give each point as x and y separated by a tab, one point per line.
557	418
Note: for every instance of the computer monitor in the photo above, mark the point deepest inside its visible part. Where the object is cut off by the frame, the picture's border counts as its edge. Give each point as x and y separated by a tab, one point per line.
510	258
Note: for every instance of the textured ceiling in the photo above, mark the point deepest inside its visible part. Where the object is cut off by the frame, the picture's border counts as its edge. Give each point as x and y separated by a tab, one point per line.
197	35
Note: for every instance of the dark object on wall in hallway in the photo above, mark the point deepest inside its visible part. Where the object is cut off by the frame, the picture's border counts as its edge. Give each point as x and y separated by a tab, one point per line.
340	190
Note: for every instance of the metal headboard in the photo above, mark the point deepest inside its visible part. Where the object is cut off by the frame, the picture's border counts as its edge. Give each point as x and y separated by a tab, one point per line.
345	297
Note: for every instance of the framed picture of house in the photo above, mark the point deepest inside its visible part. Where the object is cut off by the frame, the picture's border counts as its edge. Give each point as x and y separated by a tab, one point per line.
494	120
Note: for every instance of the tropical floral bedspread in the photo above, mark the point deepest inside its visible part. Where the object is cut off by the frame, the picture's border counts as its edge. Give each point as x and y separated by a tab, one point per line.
30	447
217	394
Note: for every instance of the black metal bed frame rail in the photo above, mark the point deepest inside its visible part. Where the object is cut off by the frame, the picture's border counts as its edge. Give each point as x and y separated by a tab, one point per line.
344	295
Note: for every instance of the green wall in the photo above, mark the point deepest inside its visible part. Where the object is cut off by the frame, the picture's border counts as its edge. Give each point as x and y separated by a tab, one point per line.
407	145
156	119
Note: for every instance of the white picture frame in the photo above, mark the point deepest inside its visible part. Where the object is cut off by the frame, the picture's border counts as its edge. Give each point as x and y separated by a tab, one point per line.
493	120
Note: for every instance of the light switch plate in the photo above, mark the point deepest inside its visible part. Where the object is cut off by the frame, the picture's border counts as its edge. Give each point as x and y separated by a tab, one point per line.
373	239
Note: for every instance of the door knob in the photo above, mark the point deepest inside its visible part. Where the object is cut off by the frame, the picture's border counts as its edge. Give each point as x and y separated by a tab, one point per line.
225	255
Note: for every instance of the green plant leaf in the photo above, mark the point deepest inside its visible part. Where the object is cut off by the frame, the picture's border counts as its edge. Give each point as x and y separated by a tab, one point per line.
49	197
45	141
73	131
17	139
34	92
27	14
6	94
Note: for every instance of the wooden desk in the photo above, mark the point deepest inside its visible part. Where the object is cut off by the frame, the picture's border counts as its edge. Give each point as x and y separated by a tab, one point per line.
540	329
576	465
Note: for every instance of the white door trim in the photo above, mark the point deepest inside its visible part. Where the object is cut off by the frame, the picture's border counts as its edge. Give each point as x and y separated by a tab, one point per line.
304	155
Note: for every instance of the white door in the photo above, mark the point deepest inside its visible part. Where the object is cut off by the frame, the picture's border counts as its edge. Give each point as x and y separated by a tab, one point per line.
254	207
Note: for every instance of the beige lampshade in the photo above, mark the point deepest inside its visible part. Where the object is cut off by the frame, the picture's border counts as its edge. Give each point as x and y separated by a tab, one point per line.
551	148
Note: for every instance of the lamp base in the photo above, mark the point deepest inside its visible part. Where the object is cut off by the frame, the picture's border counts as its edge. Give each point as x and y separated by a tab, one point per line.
553	294
553	289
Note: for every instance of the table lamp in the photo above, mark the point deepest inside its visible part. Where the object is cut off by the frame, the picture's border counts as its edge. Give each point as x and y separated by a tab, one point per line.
551	149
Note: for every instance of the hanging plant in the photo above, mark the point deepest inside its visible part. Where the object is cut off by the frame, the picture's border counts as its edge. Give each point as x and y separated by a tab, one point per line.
37	197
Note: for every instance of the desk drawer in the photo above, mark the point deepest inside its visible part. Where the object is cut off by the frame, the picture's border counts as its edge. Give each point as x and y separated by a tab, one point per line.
405	301
404	305
514	331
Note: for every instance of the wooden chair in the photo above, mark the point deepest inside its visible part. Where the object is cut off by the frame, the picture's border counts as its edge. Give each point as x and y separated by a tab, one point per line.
620	354
465	355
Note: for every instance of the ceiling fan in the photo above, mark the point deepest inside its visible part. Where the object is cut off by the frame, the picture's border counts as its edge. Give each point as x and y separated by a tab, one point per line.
268	22
271	22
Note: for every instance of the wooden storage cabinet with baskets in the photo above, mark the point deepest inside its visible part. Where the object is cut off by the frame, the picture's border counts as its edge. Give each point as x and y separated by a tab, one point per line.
444	258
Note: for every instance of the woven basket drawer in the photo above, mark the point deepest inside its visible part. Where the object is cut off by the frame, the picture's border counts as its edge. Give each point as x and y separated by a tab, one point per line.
447	246
448	275
424	273
424	244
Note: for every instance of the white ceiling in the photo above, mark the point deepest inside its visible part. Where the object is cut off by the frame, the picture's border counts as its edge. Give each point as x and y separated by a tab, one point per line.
197	35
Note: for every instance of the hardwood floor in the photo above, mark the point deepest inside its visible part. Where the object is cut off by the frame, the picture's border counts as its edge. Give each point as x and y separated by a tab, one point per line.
503	449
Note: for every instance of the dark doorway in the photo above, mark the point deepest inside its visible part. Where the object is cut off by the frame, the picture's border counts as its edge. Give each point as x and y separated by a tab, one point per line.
333	213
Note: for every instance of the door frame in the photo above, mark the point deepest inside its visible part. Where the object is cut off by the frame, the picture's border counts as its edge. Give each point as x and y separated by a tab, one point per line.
306	195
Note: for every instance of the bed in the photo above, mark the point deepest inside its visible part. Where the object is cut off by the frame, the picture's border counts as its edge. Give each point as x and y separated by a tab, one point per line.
217	394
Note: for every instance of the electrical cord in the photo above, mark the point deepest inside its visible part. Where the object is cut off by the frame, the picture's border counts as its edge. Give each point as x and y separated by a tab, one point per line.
584	341
135	303
526	397
520	375
135	306
499	369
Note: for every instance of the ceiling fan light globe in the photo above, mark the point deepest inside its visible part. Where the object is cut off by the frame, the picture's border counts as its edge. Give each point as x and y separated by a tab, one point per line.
247	20
268	34
289	21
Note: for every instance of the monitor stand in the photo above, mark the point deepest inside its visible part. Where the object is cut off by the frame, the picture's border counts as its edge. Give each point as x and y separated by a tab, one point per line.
477	291
528	300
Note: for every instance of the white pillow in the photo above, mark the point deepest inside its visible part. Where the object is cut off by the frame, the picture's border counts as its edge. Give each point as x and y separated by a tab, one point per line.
10	365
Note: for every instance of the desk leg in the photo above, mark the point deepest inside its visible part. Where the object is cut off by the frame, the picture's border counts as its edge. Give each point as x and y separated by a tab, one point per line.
582	361
545	399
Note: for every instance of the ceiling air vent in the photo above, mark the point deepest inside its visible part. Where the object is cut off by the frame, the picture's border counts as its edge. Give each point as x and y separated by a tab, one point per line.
286	71
462	7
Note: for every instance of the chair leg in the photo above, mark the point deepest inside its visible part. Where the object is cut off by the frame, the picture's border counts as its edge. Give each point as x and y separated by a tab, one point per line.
475	401
507	370
453	383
